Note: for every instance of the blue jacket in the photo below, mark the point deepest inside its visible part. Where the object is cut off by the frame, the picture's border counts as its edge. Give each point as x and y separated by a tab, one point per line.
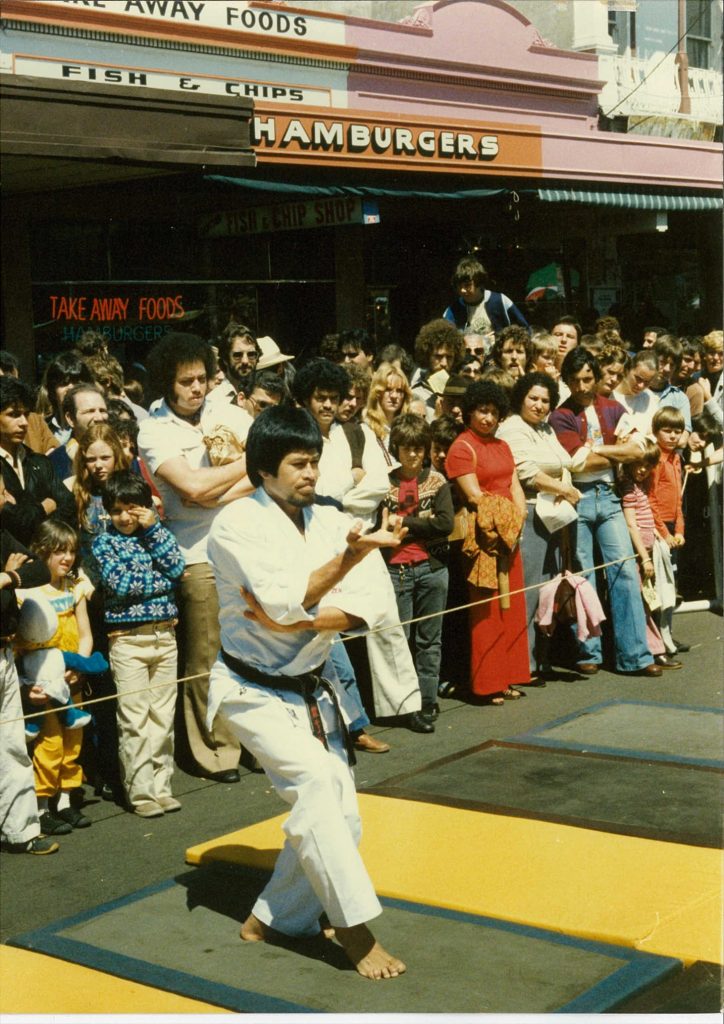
501	311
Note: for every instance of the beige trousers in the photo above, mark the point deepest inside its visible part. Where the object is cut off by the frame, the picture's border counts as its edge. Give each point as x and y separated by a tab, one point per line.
199	642
140	660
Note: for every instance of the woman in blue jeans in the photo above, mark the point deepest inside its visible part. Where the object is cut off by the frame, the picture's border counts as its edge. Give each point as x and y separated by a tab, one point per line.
422	498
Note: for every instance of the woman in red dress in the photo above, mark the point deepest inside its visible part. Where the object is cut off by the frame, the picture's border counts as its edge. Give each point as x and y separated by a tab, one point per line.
480	463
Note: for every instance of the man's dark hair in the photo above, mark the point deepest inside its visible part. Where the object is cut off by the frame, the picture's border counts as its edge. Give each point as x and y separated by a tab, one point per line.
690	346
274	434
126	488
516	334
439	333
68	406
578	359
566	319
667	345
444	430
409	430
267	380
322	374
356	338
533	380
91	343
8	363
394	353
469	269
483	392
15	393
170	352
654	330
231	331
125	428
118	408
65	368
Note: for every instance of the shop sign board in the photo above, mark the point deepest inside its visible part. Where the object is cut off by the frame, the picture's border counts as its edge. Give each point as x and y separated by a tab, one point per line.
260	19
112	74
354	138
294	216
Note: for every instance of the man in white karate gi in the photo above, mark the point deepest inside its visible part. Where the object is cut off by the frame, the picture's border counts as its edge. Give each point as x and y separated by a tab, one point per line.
290	575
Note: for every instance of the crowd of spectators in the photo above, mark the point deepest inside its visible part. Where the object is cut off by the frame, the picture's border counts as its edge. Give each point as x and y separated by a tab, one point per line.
517	457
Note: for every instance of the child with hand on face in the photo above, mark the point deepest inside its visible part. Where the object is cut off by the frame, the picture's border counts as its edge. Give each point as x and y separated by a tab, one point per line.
140	563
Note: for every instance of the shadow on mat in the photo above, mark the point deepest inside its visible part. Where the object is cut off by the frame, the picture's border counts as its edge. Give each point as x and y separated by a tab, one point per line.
232	891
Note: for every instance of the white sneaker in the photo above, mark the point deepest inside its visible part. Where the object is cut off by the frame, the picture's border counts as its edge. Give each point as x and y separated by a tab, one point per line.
168	803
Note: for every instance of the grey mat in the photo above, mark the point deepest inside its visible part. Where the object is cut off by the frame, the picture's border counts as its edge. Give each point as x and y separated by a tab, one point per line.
669	732
654	799
182	936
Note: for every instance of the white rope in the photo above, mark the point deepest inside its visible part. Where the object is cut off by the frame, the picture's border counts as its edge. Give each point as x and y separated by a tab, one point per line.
355	636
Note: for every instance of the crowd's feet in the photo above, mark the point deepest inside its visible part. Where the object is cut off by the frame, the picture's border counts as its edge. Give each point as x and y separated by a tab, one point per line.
666	661
369	744
39	846
156	808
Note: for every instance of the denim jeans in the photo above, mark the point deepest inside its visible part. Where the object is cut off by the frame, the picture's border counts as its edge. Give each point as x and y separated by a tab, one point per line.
352	702
601	529
421	590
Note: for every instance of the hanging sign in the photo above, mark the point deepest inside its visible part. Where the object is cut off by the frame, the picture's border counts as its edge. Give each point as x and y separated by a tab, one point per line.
294	216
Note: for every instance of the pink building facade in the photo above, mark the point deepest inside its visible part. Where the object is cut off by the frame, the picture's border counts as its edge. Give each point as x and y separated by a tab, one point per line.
381	153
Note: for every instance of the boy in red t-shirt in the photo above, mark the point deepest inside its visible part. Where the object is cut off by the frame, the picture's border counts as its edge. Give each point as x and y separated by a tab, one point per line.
665	498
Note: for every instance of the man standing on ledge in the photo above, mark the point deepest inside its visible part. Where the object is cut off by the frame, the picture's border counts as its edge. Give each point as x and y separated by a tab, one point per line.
290	575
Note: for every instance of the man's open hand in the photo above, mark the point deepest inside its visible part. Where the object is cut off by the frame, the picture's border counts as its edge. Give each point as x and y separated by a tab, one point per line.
387	536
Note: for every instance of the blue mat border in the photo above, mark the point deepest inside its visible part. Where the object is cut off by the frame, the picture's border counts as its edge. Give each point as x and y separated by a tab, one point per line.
639	971
535	737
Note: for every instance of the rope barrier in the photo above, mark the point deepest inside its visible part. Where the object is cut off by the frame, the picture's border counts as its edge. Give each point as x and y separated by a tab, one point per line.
355	636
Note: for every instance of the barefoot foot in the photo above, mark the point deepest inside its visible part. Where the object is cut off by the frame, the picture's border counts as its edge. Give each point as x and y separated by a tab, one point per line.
367	955
254	930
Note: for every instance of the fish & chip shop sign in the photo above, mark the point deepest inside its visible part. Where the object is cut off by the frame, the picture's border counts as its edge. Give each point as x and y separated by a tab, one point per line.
312	213
241	17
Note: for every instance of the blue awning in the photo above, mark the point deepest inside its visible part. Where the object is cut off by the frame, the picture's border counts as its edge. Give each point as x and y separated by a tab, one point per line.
631	200
289	188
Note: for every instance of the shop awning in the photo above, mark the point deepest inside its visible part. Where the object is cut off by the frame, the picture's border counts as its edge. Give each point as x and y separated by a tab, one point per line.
290	188
631	200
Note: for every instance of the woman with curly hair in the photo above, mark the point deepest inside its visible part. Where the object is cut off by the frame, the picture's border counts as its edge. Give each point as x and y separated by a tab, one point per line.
483	469
389	396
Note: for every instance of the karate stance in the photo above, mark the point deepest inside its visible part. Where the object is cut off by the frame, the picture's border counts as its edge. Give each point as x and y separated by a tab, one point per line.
290	575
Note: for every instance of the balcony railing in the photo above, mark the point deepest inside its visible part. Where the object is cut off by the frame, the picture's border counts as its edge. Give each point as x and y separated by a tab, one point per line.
641	87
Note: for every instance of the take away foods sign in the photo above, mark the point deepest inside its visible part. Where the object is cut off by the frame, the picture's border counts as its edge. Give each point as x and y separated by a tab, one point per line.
348	138
262	19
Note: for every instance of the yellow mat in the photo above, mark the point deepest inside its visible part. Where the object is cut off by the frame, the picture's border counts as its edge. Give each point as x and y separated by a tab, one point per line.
31	983
657	897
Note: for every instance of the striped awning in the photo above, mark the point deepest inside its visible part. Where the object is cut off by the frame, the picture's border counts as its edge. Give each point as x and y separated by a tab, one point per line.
631	200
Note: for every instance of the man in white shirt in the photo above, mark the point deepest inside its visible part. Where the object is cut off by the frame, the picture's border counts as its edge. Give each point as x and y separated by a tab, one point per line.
290	575
172	443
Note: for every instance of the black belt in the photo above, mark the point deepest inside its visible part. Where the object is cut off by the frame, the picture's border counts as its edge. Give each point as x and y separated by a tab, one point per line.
304	685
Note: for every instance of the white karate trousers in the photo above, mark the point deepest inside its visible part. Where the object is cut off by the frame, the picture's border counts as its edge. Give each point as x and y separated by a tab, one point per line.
319	867
18	803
